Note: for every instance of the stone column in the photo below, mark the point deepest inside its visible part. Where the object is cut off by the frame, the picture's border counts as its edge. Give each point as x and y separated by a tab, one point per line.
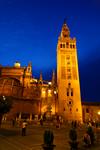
30	116
19	116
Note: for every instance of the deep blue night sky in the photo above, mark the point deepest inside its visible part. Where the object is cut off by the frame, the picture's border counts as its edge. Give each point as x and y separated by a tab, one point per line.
29	31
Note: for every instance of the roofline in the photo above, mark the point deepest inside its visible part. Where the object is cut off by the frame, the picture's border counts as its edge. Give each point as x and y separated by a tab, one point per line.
91	103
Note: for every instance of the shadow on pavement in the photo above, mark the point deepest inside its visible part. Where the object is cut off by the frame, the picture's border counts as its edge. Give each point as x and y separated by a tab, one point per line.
8	132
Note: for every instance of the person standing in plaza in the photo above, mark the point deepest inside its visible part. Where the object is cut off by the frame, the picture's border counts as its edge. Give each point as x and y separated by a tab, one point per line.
24	125
86	139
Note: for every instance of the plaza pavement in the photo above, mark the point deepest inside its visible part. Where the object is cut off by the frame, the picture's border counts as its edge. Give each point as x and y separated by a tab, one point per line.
11	138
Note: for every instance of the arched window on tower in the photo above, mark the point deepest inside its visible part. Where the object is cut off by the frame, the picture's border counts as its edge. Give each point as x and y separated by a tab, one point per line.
71	92
67	44
61	45
67	92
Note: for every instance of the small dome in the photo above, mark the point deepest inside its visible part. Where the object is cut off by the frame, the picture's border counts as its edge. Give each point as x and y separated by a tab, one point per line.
10	87
17	64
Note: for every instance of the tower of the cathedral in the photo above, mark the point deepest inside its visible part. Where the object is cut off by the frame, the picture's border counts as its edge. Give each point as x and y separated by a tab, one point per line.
69	96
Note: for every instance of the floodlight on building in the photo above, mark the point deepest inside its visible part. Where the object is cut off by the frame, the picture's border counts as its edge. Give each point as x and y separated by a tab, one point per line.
49	91
98	112
35	80
49	83
55	92
43	92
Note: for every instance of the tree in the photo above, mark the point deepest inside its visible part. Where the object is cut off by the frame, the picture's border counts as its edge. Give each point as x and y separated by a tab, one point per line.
5	105
48	140
73	138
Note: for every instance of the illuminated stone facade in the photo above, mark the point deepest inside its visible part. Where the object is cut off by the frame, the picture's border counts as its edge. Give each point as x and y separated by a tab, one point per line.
60	96
91	111
68	77
30	96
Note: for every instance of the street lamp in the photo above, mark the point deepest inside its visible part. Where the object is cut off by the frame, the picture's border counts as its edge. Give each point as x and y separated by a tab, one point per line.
49	83
4	98
98	115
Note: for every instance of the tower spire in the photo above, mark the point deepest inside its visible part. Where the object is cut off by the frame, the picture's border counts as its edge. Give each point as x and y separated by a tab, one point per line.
65	30
41	79
53	77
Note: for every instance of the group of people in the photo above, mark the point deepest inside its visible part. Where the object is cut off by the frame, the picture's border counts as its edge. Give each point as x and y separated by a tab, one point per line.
57	121
87	139
89	136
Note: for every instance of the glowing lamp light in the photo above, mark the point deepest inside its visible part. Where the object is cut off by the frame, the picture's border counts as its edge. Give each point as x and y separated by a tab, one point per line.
49	83
43	92
55	92
49	91
98	112
4	98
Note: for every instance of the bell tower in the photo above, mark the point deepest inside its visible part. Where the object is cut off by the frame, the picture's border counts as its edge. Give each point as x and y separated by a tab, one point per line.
69	96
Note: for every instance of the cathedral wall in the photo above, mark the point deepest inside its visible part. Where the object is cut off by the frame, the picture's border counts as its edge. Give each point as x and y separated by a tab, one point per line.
91	112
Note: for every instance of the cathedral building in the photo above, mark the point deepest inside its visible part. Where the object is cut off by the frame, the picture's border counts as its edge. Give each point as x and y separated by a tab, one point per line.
60	96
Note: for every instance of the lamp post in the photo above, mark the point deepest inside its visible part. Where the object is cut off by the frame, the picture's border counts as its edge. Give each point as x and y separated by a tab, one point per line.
49	107
55	93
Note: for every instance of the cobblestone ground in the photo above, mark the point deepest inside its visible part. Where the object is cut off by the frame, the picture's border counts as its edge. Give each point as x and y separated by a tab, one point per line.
11	139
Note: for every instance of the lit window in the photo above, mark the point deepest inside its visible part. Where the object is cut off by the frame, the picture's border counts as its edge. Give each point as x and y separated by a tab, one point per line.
43	93
49	93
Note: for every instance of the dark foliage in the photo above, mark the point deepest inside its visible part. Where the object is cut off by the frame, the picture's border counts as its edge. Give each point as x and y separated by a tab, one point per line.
73	134
48	140
5	104
73	139
48	137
